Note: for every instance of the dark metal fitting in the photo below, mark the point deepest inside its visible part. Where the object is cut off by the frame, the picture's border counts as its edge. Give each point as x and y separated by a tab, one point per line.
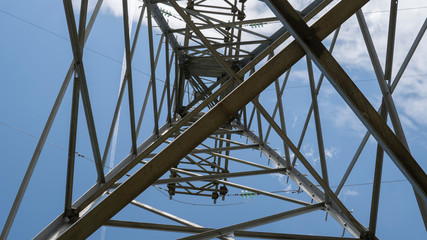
71	215
215	195
223	190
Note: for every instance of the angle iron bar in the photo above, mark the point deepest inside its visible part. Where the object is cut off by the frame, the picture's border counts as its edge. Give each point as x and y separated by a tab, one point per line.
377	183
168	70
282	121
162	98
259	127
72	147
241	161
166	88
143	107
246	234
390	40
317	123
169	216
385	90
153	69
128	76
353	162
164	214
409	55
82	21
276	107
219	176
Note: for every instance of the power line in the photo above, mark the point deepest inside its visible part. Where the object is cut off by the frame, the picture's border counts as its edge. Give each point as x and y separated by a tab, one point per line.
47	142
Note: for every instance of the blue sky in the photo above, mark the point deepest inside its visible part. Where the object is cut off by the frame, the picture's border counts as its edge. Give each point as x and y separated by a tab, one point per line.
35	55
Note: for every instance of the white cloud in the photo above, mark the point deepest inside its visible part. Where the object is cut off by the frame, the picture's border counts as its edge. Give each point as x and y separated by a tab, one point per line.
300	76
350	192
295	121
344	118
412	98
311	155
288	189
280	177
411	94
283	180
408	123
330	153
308	153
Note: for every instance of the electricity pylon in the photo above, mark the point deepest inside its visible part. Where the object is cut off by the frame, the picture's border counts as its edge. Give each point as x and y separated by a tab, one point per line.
218	98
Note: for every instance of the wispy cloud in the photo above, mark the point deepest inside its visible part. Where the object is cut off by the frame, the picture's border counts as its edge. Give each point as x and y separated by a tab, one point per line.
351	192
330	153
344	118
308	152
288	189
411	94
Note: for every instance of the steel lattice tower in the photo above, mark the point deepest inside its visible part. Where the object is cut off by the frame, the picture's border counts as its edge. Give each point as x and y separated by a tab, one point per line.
213	104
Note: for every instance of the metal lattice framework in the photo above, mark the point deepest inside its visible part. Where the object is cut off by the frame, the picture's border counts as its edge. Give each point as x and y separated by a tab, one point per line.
211	106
